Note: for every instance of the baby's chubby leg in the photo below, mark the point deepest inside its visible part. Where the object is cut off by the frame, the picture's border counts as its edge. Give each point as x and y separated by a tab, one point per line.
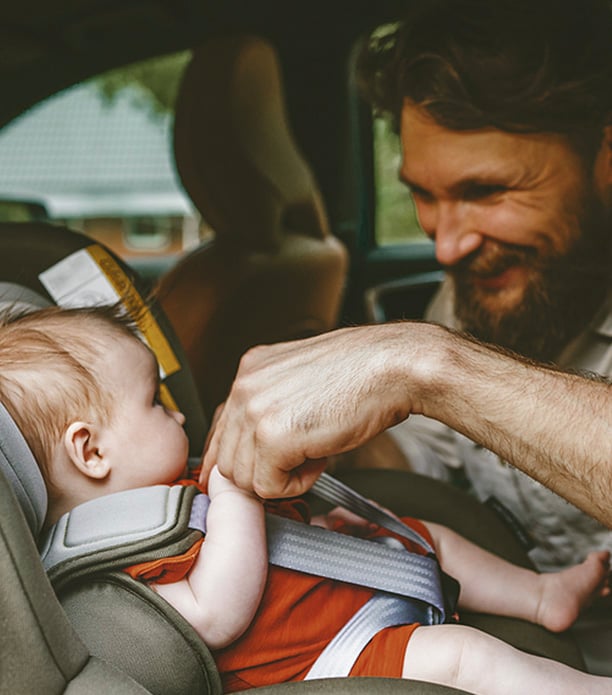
490	584
462	657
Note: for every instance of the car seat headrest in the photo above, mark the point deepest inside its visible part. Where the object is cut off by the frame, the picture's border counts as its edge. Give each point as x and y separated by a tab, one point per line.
234	150
20	299
18	465
16	459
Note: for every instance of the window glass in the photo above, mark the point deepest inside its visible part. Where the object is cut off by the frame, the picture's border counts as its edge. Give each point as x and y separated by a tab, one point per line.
148	233
395	218
98	158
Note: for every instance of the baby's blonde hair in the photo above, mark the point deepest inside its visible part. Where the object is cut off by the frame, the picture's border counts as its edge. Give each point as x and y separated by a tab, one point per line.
51	371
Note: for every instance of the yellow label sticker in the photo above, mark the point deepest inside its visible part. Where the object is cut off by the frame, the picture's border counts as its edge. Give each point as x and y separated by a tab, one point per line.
166	398
90	277
137	309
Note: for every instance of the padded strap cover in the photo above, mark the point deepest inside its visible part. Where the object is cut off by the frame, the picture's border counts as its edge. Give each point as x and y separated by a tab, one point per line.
139	525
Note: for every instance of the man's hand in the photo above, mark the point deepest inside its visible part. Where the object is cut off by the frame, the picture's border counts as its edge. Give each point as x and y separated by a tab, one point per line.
294	404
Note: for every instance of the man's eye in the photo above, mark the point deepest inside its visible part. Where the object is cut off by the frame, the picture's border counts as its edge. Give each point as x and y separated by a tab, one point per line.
483	191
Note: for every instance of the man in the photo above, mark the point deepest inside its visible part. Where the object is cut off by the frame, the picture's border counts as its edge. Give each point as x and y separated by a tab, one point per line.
505	117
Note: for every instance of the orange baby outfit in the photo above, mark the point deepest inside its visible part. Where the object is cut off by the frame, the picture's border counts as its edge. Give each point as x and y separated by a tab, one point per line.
298	616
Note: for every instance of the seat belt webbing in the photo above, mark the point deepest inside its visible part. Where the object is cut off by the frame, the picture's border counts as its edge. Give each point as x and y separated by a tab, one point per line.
315	550
335	491
380	612
422	599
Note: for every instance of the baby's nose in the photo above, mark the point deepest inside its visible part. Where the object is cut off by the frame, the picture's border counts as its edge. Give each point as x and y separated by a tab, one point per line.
178	416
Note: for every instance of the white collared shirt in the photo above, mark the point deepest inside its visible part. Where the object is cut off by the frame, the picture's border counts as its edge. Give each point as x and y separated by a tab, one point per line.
562	533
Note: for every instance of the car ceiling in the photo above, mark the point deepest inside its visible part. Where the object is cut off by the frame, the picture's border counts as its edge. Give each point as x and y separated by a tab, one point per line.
48	45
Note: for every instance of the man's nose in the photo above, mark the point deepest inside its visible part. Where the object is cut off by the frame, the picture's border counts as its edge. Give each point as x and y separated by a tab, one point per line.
447	223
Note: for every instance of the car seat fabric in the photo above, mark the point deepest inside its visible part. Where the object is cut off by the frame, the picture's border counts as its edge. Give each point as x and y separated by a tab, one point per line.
272	271
40	260
18	465
121	621
40	651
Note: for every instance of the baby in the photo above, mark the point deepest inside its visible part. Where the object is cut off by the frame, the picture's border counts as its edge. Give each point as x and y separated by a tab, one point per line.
84	390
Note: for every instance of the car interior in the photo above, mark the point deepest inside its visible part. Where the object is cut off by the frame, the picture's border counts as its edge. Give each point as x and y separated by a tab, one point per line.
274	148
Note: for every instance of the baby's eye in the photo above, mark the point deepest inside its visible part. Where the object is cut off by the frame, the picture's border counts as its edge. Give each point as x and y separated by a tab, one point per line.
157	398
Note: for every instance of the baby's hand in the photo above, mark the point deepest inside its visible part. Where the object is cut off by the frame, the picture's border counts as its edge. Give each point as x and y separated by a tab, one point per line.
218	483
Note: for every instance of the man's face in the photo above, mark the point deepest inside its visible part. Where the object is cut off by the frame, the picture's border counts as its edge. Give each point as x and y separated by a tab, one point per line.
518	223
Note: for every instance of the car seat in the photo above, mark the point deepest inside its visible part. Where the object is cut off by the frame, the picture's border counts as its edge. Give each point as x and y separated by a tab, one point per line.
120	633
123	623
272	271
40	651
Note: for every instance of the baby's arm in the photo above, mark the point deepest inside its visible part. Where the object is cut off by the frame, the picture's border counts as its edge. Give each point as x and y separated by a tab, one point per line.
222	591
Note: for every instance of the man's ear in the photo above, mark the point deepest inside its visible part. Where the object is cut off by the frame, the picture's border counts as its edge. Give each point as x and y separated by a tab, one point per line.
80	442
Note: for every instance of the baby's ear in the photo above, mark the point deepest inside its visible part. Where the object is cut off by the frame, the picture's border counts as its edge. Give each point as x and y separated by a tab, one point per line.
80	442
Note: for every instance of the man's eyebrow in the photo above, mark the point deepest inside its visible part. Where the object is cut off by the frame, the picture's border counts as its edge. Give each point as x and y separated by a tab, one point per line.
406	181
460	187
414	187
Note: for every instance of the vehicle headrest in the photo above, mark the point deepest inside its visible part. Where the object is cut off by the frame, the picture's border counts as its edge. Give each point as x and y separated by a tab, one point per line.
16	459
234	150
20	468
17	298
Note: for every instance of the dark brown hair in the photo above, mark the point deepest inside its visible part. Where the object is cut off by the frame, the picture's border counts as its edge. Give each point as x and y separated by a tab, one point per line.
516	65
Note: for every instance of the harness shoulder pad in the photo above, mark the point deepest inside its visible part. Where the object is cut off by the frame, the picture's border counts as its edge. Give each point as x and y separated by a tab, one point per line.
119	530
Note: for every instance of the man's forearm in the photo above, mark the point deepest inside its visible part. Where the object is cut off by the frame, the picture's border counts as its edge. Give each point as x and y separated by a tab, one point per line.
555	426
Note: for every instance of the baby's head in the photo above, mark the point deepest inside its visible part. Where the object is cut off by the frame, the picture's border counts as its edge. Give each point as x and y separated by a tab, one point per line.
84	391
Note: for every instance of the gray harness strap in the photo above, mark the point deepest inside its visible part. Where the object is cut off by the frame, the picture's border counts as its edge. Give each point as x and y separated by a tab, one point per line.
380	612
335	491
324	553
128	527
383	609
117	523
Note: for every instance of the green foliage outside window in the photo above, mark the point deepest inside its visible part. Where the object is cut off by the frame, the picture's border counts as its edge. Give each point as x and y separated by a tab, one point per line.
395	220
153	84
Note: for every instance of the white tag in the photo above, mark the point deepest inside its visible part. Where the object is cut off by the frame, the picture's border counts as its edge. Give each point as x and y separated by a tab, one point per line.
91	277
77	280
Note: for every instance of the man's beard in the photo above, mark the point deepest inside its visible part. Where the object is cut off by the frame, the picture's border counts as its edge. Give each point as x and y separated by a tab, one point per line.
561	297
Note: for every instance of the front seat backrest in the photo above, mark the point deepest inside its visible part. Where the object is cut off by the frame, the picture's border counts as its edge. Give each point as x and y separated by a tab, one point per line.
273	271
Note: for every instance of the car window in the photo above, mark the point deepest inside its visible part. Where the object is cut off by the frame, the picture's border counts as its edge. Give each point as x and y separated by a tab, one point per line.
98	157
391	214
395	219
